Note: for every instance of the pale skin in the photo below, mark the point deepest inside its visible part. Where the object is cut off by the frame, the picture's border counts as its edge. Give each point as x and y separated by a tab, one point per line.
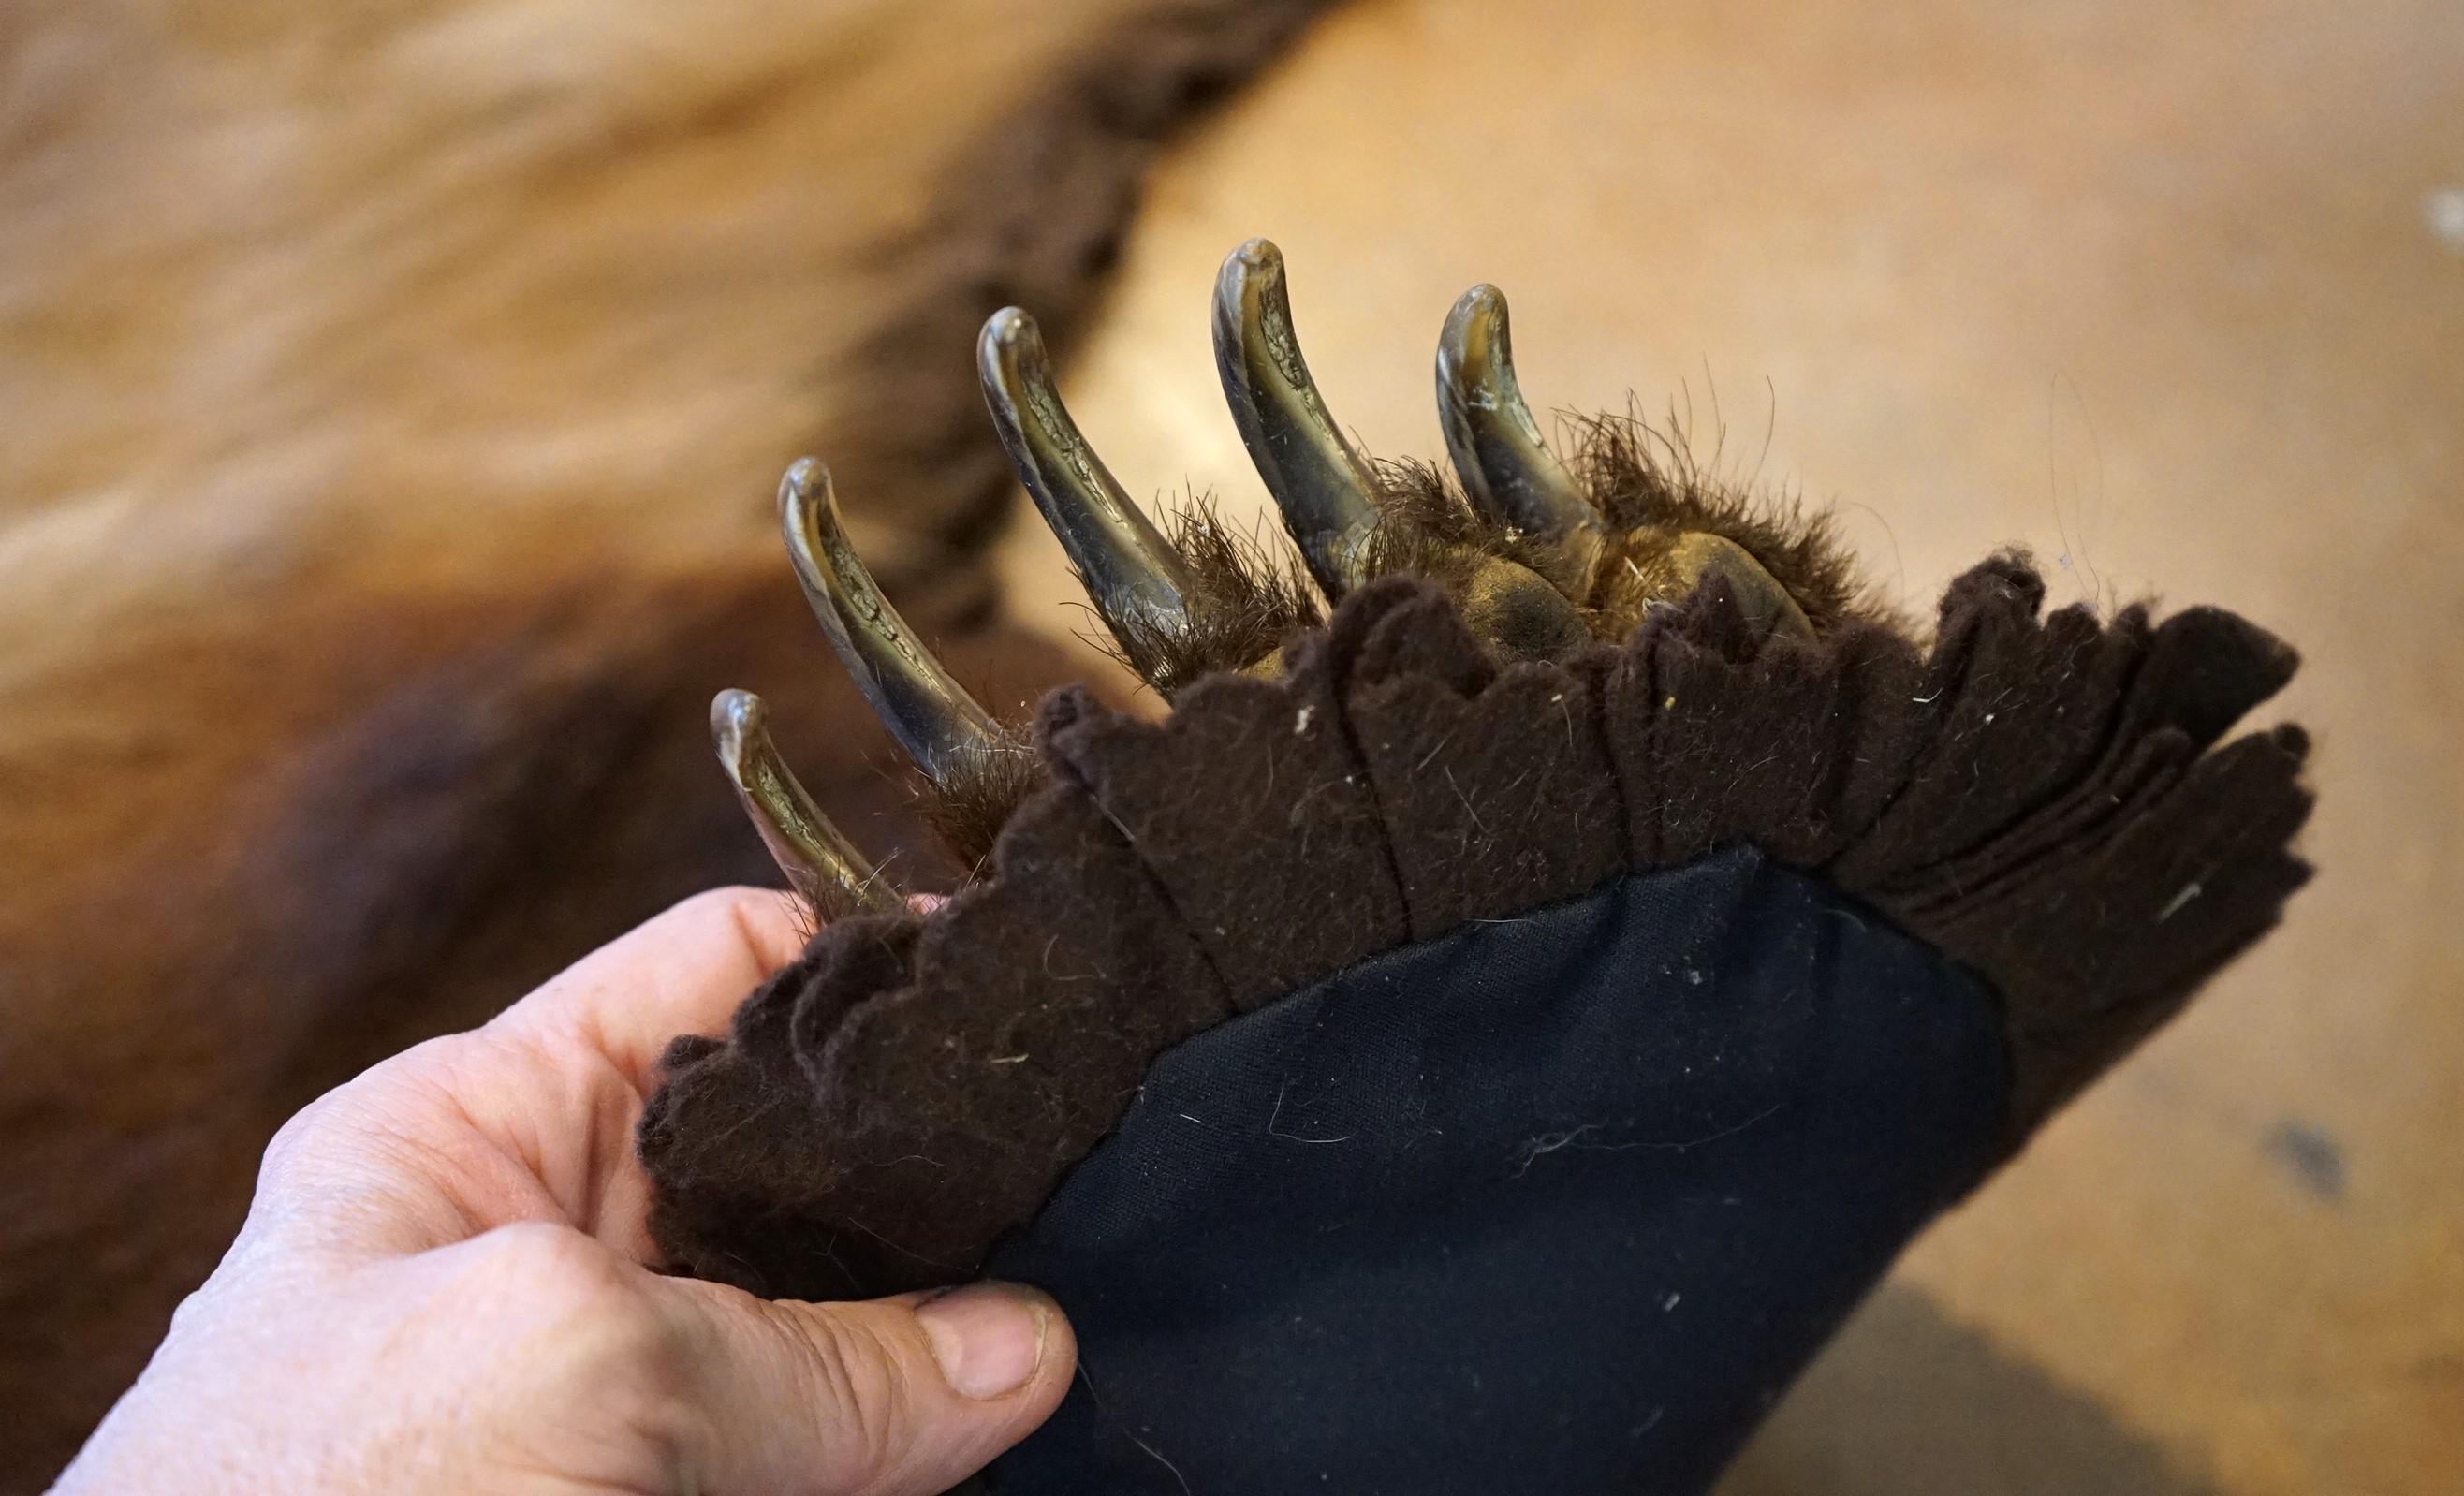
444	1286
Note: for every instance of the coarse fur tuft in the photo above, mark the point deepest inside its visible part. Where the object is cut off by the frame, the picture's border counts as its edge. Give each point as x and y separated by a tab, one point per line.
1249	596
1429	531
981	792
1650	486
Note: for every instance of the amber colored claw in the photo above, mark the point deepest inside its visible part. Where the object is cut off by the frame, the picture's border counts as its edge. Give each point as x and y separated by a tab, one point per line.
1132	574
1325	489
1505	470
820	862
940	726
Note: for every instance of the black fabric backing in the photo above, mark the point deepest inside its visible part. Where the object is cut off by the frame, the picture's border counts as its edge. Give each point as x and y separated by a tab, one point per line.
1557	1204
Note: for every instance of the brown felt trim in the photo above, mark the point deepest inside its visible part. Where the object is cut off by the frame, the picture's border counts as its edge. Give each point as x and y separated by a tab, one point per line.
2031	795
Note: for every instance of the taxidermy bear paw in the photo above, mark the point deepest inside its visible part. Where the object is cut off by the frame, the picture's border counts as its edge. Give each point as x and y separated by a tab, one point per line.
1484	1039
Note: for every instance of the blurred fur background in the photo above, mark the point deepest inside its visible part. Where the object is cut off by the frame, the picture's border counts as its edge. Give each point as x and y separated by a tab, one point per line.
394	396
394	391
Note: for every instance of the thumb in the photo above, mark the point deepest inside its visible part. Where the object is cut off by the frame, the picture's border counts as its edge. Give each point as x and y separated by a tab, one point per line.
907	1395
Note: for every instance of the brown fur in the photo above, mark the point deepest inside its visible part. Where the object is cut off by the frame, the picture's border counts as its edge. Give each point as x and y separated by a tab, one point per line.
1652	486
395	397
1429	531
968	808
1250	595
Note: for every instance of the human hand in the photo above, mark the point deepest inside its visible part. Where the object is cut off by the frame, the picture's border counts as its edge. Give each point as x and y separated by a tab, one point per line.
441	1287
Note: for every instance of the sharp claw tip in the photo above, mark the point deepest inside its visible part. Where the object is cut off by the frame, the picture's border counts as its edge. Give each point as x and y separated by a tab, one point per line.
1256	263
808	489
733	717
1010	327
805	477
1474	327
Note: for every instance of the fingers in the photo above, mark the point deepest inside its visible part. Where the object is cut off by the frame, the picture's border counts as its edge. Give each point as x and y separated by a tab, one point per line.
682	973
531	1117
909	1394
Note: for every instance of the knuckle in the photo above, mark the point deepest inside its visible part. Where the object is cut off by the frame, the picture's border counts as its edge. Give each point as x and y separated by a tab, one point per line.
556	1274
863	1382
283	1151
747	915
605	1342
722	907
588	1376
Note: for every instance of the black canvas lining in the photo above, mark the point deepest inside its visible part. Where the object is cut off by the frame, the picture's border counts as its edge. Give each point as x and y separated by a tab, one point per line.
1558	1204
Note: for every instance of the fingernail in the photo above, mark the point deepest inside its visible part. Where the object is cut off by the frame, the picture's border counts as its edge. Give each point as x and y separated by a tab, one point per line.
988	1337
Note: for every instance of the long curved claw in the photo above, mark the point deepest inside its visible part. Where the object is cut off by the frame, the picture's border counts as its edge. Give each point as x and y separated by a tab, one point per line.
1132	574
1506	469
940	726
820	862
1325	489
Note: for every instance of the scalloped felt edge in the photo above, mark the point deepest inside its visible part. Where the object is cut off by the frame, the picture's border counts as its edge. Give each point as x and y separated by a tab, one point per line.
2038	798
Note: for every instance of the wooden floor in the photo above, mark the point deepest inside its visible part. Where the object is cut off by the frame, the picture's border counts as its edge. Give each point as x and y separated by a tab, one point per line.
2172	295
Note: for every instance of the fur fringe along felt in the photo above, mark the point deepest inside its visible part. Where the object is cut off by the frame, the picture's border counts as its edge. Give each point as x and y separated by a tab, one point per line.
2038	798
